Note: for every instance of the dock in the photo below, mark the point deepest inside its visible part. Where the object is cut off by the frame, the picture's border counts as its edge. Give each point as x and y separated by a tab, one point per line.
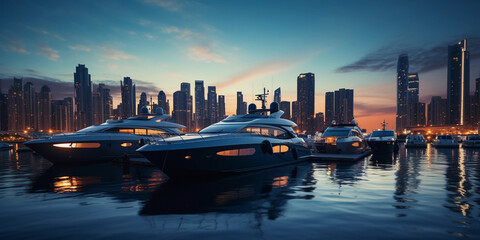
337	156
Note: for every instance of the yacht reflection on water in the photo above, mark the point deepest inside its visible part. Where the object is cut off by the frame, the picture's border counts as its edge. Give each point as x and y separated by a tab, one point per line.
123	182
263	192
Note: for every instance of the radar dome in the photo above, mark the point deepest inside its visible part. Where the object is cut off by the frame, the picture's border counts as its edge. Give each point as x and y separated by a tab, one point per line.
144	110
252	108
159	111
273	107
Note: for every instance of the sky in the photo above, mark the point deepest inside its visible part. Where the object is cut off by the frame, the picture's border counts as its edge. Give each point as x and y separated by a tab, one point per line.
239	46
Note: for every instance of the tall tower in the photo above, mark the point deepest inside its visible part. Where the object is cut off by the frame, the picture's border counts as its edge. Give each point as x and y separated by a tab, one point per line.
199	104
30	106
344	105
240	108
402	89
143	102
16	107
277	96
329	108
128	97
412	100
212	105
179	112
162	102
83	97
458	84
306	100
185	87
45	108
221	107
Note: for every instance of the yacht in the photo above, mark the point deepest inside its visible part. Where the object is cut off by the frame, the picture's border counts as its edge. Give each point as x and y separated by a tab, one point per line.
5	146
114	139
445	141
236	144
383	140
472	141
342	138
416	141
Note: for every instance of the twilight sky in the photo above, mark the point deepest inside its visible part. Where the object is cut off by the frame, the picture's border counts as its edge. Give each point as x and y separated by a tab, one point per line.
239	46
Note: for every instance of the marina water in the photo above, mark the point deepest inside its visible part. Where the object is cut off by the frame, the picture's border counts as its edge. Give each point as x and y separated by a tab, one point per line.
415	194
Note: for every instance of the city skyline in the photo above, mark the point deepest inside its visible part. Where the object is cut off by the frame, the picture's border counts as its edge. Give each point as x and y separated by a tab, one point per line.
184	41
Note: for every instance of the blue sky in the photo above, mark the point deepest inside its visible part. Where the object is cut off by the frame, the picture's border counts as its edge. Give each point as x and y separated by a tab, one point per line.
240	45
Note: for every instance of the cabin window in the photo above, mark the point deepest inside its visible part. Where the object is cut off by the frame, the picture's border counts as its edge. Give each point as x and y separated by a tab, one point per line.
267	131
77	145
280	149
155	132
140	131
237	152
126	144
126	130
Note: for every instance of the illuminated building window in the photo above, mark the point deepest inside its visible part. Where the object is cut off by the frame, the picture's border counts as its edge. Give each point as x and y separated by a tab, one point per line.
280	149
237	152
126	144
77	145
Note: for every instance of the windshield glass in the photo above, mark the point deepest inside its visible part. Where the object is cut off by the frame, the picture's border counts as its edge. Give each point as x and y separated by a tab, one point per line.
336	133
383	134
222	128
96	128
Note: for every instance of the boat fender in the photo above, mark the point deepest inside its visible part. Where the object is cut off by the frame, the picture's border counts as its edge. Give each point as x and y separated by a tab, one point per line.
267	147
294	153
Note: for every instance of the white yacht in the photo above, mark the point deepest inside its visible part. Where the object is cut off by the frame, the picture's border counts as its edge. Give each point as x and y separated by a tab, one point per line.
416	141
383	140
114	139
342	138
236	144
472	141
445	141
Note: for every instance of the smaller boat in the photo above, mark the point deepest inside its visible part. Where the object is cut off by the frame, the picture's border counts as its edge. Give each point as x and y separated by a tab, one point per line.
416	141
383	140
5	146
472	141
342	138
445	141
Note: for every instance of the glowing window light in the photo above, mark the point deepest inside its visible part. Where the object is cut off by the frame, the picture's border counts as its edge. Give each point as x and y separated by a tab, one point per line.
355	144
280	149
237	152
126	144
77	145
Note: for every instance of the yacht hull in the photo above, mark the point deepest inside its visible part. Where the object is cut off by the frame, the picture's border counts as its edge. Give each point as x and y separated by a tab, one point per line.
383	146
416	145
206	162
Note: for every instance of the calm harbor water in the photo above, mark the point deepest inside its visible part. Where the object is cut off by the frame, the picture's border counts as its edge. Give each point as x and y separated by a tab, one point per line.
416	194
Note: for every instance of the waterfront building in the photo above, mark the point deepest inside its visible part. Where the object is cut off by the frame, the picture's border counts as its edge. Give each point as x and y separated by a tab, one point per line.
61	120
45	109
319	122
329	108
3	111
241	109
69	114
185	87
306	100
412	99
458	84
212	112
475	110
343	105
143	102
277	97
107	102
30	106
180	105
437	111
199	104
285	107
97	108
16	107
402	92
83	97
162	102
128	97
221	107
295	112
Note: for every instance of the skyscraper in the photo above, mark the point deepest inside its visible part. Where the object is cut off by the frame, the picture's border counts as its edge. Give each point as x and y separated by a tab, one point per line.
45	108
458	84
16	107
412	100
179	112
143	102
107	102
83	97
221	107
199	104
402	90
240	106
437	111
344	105
306	100
185	87
162	102
128	97
329	108
295	111
212	106
97	107
277	97
285	107
30	106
